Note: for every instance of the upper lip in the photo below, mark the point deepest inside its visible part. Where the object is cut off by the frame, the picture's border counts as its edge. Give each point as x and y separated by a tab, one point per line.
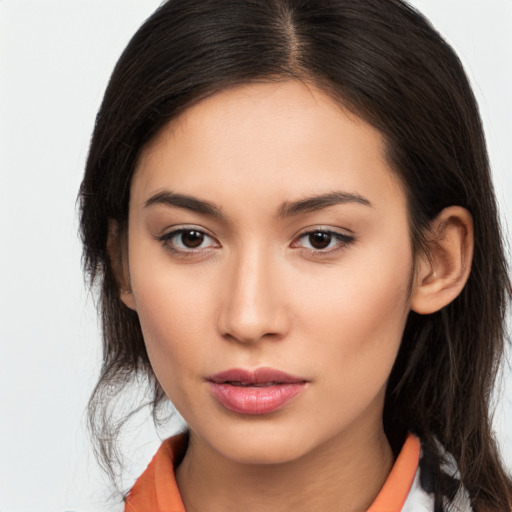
254	377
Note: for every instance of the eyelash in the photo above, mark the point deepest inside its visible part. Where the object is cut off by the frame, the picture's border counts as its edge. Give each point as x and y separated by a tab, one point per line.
167	238
342	241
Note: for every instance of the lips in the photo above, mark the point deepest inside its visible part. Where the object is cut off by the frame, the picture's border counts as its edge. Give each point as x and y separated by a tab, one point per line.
262	391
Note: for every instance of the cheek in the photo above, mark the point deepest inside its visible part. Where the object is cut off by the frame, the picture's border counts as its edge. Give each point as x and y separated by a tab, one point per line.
358	321
169	317
174	317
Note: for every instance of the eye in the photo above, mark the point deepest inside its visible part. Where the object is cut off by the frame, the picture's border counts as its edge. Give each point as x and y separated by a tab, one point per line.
323	240
187	240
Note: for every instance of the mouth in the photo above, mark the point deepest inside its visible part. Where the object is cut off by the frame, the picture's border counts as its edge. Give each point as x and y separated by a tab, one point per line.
262	391
259	378
251	384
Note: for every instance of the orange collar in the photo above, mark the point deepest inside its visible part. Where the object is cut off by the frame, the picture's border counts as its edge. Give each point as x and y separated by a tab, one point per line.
392	496
156	489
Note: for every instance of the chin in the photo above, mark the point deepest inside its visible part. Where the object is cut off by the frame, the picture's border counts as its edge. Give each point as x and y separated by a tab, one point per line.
255	443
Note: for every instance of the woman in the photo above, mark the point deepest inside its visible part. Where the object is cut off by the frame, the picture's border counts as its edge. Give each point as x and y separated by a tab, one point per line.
288	206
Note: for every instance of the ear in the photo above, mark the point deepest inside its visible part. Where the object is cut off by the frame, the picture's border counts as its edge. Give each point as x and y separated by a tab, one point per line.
443	269
117	248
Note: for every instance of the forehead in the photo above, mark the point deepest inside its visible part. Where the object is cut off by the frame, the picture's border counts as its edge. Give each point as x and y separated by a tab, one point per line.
276	138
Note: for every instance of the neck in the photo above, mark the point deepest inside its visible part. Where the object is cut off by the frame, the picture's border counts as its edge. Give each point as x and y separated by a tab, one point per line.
344	474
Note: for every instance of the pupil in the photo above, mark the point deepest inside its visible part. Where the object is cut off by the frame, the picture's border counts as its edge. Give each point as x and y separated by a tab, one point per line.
320	240
192	239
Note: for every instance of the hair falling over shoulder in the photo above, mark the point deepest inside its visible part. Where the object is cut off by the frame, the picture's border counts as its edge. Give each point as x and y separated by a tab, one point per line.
385	62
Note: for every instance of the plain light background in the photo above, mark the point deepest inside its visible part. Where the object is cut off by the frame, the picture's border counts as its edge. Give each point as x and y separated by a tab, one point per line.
55	60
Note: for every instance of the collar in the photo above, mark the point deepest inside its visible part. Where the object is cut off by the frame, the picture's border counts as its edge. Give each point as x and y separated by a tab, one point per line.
156	489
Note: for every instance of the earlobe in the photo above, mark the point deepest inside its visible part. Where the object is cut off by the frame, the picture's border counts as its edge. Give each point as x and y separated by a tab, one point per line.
118	256
443	270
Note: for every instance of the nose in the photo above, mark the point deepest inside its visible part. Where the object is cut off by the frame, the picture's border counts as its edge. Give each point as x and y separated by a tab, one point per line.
254	304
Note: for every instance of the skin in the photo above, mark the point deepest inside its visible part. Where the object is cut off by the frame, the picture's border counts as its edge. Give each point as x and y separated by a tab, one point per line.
256	293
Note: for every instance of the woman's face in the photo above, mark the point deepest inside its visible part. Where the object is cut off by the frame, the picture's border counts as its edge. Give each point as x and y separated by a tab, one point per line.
267	231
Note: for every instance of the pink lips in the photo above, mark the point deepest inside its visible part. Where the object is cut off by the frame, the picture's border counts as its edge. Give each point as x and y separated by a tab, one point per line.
260	392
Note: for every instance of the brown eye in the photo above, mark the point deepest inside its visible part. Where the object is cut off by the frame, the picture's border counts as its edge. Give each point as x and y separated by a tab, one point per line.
320	239
323	241
187	241
192	239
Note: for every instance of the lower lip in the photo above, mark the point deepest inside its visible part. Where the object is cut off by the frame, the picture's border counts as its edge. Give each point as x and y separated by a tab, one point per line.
255	400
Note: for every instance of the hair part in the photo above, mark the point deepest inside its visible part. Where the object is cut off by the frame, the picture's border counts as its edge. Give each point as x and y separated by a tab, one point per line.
385	62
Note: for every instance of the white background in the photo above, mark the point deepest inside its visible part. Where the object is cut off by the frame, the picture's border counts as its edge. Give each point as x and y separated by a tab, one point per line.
55	60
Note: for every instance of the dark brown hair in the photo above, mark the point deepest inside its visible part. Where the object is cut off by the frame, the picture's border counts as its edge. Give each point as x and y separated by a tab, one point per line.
384	61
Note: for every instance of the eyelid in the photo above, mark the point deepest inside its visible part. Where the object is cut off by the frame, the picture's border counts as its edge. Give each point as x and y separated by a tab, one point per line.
343	239
167	236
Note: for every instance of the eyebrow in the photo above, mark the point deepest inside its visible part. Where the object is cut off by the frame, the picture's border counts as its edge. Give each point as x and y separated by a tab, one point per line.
287	209
184	201
311	204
